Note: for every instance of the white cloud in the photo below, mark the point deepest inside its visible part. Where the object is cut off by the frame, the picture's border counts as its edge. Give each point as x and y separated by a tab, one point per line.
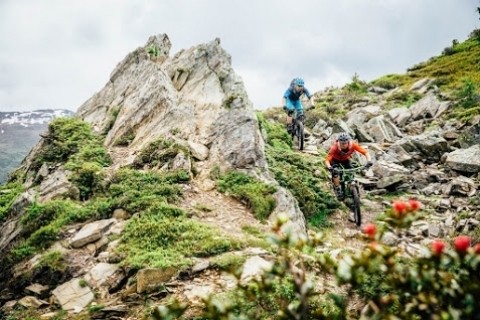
56	53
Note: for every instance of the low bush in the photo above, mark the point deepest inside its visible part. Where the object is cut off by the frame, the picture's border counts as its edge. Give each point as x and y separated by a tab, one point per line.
257	195
437	282
8	194
164	238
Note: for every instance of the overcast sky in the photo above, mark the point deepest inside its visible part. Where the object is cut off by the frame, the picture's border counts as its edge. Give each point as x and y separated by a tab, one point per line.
58	53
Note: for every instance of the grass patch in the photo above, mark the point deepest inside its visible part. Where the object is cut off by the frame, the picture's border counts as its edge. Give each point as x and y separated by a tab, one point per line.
257	195
72	142
277	134
8	194
159	153
461	61
165	237
66	137
52	260
228	261
294	172
136	191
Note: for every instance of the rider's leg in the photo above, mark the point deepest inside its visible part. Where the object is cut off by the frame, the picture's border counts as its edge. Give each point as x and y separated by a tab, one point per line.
345	164
336	184
336	181
290	109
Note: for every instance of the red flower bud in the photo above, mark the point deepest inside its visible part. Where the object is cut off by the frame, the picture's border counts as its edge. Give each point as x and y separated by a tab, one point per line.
438	246
461	243
414	204
370	229
399	207
476	248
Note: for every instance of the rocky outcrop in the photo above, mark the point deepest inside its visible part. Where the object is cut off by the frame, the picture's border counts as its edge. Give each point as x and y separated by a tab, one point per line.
195	98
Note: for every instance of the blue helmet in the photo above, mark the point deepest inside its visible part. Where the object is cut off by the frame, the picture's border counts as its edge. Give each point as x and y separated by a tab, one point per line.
343	137
299	82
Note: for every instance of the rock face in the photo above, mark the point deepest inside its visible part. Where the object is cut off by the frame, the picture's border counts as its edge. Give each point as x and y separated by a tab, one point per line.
195	98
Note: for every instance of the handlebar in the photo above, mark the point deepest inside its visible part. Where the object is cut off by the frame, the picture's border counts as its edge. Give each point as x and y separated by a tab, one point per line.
350	170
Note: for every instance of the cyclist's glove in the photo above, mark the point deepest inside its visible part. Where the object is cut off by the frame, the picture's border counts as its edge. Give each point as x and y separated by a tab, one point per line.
369	164
285	108
330	169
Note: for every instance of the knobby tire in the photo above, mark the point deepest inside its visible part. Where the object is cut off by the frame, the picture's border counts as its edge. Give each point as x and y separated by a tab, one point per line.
357	215
300	135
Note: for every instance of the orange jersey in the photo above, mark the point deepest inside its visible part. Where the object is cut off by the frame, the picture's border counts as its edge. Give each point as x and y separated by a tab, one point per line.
336	154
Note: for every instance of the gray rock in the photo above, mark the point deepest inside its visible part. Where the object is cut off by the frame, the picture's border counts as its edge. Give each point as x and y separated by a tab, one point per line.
465	160
73	295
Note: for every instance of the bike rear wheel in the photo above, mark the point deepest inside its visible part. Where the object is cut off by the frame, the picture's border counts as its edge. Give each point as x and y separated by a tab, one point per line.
357	215
300	135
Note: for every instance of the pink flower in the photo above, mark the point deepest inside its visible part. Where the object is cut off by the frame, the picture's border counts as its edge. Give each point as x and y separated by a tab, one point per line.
461	243
414	204
438	247
476	248
370	229
399	207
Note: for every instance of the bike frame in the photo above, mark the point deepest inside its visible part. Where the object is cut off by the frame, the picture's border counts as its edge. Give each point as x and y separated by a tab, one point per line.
298	132
351	189
347	177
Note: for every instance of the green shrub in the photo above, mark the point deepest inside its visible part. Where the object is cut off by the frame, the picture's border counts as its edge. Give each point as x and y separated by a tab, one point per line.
386	283
158	153
40	215
468	94
111	118
65	137
228	261
357	85
88	177
389	81
165	238
277	134
138	190
73	142
258	195
153	50
294	172
125	139
8	194
52	260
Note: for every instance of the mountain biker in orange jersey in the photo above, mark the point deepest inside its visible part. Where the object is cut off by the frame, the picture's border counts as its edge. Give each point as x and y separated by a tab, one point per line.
291	99
339	154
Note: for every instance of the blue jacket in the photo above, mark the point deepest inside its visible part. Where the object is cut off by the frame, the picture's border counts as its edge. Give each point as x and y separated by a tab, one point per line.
290	94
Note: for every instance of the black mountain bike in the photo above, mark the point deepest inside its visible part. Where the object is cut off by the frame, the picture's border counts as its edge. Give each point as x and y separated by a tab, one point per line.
351	190
298	130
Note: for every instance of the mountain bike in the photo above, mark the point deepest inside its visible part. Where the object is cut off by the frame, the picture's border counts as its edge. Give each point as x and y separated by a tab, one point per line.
297	131
350	189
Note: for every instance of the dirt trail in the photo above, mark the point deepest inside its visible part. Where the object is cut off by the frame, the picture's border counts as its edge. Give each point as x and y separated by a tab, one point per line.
219	210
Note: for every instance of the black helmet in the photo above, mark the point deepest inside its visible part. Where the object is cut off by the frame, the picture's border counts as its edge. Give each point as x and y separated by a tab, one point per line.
344	137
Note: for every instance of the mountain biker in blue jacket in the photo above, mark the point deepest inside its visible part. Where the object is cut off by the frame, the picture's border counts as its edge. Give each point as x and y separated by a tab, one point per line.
291	99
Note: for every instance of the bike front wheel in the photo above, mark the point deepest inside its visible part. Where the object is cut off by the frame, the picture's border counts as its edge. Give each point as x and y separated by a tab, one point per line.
300	136
357	215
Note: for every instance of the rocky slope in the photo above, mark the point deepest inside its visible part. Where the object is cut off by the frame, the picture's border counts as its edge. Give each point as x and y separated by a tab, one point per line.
195	100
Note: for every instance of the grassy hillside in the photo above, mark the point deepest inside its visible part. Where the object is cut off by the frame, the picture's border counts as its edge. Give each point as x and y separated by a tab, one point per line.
458	63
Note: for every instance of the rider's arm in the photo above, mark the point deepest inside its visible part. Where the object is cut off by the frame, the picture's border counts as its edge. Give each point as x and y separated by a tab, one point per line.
329	157
362	150
309	96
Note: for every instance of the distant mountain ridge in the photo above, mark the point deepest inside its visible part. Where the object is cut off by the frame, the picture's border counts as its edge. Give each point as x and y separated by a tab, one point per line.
26	118
19	132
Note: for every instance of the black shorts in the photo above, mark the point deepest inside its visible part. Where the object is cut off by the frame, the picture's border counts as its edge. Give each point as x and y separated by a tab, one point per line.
341	163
